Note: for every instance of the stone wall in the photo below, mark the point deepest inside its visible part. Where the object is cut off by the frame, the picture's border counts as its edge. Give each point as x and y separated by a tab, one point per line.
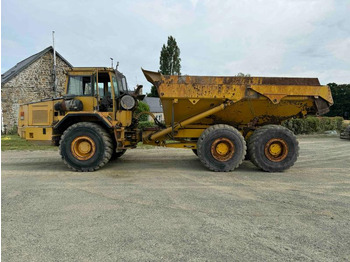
32	84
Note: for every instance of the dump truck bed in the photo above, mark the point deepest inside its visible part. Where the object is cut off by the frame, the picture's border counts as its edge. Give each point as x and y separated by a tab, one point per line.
257	100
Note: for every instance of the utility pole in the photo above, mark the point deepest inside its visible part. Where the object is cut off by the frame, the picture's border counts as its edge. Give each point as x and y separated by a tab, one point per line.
54	65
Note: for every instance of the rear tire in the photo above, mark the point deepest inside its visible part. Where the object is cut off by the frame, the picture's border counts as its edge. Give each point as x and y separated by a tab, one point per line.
273	148
85	147
221	148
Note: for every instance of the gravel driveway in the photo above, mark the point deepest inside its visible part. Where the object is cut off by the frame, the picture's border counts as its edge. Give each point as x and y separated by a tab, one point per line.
163	205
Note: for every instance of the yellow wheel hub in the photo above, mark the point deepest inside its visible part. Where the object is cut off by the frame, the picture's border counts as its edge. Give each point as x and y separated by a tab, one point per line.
276	149
83	147
222	149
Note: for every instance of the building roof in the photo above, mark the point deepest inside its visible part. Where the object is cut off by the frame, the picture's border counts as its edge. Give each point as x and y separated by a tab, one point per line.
154	103
19	67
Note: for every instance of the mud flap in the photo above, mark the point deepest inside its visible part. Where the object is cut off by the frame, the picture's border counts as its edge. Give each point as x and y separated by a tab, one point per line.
322	106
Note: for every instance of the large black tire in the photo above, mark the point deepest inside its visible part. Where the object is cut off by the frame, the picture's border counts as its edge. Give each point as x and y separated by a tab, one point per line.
85	147
273	148
221	136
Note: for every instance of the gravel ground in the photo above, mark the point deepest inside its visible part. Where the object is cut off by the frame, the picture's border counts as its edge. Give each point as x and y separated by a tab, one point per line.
163	205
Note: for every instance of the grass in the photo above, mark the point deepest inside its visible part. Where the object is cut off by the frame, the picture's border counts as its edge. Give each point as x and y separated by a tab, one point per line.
14	142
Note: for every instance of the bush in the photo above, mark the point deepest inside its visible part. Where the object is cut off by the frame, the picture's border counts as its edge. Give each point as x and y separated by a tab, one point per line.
338	122
312	125
143	124
142	106
297	125
12	131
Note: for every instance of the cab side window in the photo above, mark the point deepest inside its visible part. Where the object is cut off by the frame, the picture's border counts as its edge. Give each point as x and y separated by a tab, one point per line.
101	91
80	86
105	92
104	85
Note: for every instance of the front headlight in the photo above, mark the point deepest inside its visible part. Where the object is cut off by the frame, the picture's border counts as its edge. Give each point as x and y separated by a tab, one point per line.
127	102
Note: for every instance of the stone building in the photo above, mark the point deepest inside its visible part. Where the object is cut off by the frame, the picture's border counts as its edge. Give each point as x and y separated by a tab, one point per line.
30	80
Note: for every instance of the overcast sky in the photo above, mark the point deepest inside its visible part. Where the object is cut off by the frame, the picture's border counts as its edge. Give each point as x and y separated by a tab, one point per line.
308	38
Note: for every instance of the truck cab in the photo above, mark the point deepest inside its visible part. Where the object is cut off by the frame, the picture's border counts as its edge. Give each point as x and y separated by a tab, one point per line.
99	95
99	89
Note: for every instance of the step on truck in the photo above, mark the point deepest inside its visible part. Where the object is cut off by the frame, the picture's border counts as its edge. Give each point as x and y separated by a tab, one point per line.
223	120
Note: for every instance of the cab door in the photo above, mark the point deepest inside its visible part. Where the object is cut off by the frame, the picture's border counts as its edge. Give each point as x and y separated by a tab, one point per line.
105	92
83	87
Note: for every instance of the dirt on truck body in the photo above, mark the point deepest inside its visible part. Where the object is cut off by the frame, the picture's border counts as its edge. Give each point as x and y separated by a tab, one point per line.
220	118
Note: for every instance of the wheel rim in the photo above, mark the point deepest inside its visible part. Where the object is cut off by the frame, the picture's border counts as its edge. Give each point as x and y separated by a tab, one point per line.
222	149
276	149
83	147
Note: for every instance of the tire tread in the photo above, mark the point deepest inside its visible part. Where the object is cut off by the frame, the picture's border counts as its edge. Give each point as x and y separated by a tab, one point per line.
107	154
213	129
252	143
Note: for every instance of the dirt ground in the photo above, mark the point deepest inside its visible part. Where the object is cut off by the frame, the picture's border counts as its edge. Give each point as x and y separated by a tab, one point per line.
163	205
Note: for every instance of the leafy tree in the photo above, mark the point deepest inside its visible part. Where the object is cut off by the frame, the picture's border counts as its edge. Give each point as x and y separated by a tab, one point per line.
341	97
169	61
153	93
170	58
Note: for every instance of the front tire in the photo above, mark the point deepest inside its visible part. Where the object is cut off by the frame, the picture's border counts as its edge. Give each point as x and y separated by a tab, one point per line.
273	148
85	147
221	148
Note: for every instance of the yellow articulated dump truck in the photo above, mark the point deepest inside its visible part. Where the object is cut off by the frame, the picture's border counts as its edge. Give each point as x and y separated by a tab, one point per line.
220	118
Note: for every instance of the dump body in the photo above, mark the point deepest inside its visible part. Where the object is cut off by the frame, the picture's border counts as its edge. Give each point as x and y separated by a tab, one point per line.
256	101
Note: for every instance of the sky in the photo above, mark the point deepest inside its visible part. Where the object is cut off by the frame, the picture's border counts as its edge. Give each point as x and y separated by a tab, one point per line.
291	38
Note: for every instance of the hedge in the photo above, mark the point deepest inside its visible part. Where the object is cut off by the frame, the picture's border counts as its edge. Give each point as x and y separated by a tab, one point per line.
309	125
312	125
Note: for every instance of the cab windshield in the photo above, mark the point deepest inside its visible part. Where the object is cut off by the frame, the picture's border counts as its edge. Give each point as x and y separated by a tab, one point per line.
116	86
122	84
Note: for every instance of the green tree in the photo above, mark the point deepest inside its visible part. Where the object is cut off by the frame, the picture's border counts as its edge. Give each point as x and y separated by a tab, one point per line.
154	92
169	61
341	97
